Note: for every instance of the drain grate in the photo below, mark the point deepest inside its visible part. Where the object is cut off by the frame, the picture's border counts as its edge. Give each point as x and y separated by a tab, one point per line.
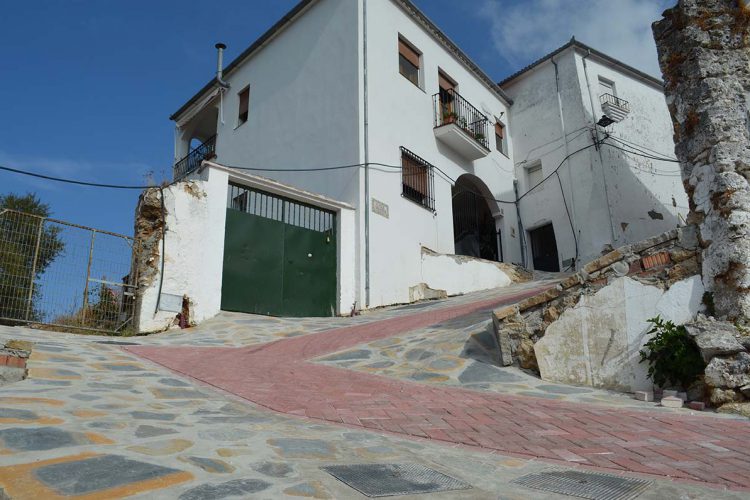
580	484
115	342
384	480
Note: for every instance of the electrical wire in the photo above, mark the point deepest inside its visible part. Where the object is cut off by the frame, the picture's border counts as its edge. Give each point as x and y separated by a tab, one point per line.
554	171
570	221
642	148
72	181
632	150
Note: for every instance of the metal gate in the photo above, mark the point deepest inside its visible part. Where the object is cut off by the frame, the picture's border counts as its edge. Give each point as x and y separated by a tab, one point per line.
64	276
473	225
279	256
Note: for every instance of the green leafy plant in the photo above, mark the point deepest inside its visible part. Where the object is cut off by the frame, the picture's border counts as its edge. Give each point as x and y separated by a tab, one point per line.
672	355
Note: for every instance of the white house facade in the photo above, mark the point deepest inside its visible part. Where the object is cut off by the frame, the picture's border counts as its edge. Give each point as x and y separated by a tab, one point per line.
623	190
367	104
367	161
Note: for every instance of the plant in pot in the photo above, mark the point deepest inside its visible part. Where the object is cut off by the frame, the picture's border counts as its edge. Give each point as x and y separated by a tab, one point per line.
449	117
479	137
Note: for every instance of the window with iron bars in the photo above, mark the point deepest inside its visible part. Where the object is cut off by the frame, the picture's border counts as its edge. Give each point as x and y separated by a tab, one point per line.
417	179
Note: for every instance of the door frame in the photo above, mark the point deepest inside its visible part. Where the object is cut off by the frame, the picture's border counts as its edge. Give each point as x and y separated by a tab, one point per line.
531	243
346	247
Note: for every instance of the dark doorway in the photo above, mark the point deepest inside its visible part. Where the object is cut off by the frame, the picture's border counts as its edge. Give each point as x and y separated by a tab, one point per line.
474	232
544	249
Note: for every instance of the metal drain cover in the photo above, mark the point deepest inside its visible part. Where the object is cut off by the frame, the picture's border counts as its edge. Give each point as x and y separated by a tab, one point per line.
580	484
115	342
384	480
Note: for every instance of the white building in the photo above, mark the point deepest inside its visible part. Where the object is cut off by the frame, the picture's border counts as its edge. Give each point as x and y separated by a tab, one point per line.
613	197
359	148
371	83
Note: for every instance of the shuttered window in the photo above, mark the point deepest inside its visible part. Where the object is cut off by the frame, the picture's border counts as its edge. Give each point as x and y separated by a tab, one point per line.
534	175
417	179
408	62
500	137
244	106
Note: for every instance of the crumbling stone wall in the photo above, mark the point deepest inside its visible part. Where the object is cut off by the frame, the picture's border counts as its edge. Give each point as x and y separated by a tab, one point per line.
148	234
704	53
659	261
726	350
13	359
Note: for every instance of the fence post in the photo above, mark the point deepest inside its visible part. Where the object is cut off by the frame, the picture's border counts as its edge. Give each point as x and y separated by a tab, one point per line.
88	275
33	268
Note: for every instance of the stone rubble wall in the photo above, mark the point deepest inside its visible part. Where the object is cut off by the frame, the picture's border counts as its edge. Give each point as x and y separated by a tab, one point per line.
726	349
704	53
659	262
13	358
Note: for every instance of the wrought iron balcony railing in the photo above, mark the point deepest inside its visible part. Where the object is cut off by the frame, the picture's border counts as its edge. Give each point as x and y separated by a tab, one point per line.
193	159
450	107
614	101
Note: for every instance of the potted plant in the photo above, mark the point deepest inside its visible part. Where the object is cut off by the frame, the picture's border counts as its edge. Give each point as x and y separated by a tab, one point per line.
479	137
449	117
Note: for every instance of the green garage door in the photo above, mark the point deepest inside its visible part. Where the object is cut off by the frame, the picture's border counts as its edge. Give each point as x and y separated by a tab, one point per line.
279	256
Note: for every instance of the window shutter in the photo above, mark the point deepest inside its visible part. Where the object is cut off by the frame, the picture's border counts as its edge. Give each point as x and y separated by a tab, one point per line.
444	82
499	130
408	53
244	102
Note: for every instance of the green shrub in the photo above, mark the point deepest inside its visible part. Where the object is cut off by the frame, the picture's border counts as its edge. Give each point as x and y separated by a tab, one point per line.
672	355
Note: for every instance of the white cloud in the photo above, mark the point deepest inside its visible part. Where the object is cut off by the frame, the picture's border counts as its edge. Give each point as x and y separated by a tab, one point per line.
524	31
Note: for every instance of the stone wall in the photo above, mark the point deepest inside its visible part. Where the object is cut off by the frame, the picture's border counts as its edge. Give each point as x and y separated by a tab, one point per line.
704	53
655	276
726	350
13	358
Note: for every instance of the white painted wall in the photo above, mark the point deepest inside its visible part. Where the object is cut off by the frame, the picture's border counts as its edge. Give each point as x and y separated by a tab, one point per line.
458	275
609	193
194	242
401	114
597	342
192	268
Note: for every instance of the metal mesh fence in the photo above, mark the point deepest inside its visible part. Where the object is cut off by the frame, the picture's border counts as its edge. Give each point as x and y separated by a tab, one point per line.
63	275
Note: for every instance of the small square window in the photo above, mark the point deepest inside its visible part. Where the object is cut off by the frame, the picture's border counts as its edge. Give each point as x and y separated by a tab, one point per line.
244	106
417	179
534	176
408	62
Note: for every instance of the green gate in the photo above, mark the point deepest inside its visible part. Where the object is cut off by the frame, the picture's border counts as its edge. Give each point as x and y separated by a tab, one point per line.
279	256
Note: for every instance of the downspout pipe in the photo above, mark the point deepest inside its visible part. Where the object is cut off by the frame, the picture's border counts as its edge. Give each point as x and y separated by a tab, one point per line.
599	149
366	146
220	66
521	237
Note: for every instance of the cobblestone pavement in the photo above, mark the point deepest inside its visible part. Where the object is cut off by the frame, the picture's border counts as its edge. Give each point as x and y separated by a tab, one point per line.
95	421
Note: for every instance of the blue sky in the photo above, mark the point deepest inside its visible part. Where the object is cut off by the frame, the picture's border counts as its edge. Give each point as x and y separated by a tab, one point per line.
87	86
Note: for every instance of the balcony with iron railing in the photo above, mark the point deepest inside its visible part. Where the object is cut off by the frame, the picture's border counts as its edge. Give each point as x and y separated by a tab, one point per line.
460	125
613	107
193	159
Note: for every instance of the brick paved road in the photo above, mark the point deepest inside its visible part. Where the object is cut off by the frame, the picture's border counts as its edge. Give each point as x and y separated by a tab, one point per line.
279	376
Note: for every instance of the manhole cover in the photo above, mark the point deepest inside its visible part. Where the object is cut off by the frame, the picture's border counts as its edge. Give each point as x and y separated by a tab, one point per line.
115	342
384	480
585	484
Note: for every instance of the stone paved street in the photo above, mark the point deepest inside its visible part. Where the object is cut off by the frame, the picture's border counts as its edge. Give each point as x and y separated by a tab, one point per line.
97	419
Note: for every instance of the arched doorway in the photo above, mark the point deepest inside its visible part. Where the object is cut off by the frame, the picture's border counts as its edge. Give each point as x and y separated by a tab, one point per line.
474	232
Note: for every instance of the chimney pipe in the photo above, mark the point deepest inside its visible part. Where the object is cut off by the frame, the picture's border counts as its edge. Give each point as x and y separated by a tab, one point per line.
220	66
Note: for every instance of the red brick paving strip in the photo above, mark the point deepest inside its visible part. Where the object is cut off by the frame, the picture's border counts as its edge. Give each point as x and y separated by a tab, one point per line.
277	376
